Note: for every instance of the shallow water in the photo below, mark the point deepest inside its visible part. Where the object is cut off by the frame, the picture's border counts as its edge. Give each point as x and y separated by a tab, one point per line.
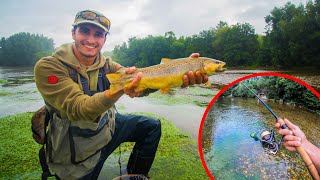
19	93
185	116
231	153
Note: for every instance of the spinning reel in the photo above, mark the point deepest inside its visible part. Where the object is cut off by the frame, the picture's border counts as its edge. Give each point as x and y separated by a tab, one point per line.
268	141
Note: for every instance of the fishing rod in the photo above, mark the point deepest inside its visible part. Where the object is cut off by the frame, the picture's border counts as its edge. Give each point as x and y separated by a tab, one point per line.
274	114
267	138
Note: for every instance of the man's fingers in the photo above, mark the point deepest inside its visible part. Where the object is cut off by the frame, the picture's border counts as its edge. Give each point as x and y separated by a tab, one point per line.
285	132
289	147
130	70
192	79
277	125
205	79
199	78
289	124
195	55
292	143
291	138
185	81
136	80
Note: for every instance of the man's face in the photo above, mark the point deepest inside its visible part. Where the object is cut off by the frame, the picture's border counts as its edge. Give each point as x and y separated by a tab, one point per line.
89	40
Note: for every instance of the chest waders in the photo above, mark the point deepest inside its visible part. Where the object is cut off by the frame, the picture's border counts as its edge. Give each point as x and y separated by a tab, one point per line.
103	84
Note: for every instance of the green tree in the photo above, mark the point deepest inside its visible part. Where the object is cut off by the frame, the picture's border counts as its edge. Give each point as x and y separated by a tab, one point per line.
294	34
24	49
236	45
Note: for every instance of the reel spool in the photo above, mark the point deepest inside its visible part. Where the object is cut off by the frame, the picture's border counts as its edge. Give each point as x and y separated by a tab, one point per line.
267	140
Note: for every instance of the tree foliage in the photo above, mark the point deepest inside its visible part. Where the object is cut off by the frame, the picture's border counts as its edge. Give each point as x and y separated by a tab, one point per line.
24	49
294	34
292	40
277	88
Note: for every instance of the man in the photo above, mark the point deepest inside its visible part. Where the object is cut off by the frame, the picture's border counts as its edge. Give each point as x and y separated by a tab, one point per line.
294	137
84	128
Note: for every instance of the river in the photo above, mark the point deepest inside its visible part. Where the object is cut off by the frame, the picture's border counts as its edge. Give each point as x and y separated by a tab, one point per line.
19	94
224	135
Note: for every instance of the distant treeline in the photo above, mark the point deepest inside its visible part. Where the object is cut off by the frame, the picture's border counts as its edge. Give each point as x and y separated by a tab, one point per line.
292	40
24	49
277	88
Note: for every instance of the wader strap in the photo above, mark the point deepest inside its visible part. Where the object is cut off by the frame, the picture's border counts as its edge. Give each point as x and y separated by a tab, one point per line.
85	85
100	81
101	86
44	166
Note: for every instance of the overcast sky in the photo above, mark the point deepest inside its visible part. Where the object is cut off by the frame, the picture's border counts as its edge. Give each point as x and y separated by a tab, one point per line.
131	18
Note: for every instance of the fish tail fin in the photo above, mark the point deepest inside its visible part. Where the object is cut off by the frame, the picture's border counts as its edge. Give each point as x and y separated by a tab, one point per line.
115	82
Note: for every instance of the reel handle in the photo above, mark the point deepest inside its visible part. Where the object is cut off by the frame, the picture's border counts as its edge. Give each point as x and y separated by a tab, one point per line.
307	161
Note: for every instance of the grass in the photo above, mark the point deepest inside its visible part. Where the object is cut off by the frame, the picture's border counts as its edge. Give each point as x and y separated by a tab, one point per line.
177	155
3	81
19	151
6	93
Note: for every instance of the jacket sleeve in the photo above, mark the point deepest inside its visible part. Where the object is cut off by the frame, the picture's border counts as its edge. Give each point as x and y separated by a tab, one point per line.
62	93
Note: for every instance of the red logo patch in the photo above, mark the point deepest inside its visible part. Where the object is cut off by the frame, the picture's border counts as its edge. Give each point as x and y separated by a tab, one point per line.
52	79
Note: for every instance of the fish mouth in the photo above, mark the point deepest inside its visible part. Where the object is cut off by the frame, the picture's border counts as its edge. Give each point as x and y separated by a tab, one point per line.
221	68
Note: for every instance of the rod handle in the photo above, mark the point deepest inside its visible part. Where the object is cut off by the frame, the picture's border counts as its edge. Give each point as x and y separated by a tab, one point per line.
307	161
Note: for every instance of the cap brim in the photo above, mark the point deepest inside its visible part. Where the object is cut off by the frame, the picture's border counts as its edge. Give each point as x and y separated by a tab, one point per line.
91	22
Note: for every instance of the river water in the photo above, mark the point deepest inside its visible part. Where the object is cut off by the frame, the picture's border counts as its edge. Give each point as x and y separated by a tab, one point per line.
19	94
231	153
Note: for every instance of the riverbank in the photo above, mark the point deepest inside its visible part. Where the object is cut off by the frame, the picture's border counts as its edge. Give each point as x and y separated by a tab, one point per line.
177	154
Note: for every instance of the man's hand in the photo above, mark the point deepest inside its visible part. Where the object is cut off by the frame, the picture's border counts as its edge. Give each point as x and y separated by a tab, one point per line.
194	78
293	137
130	90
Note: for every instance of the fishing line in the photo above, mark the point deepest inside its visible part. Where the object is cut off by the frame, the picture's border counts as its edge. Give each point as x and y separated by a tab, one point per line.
267	137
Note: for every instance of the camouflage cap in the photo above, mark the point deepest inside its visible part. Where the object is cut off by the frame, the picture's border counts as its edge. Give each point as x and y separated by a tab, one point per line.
92	17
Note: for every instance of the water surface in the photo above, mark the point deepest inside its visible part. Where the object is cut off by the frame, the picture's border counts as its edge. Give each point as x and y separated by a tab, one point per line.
231	153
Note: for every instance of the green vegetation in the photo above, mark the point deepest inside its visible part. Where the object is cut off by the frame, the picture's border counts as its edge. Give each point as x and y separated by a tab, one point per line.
277	88
3	81
19	152
6	93
177	154
291	40
24	49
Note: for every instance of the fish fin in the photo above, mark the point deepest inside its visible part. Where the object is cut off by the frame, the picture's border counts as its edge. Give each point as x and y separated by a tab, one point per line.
165	60
115	82
164	90
208	83
139	88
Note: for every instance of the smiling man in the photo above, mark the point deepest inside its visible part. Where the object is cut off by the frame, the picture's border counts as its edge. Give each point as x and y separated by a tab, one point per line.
84	128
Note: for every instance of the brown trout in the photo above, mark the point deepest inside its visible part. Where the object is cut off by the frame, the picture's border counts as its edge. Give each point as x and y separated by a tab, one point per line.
168	74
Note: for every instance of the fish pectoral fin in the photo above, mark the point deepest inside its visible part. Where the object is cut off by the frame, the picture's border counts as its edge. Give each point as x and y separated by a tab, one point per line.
164	90
165	60
139	88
